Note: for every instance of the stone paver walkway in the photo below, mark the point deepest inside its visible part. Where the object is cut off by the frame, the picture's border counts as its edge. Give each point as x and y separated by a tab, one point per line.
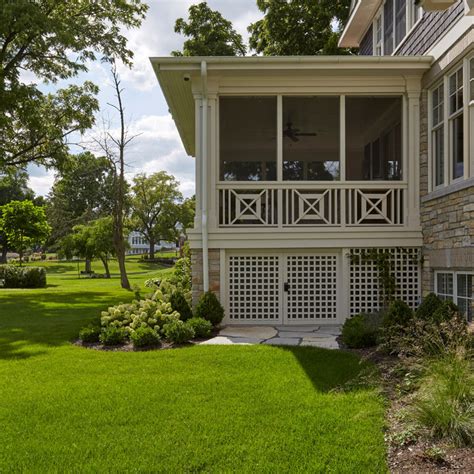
315	336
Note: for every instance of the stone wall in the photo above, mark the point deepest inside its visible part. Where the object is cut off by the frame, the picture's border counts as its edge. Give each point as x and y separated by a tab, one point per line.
196	273
447	218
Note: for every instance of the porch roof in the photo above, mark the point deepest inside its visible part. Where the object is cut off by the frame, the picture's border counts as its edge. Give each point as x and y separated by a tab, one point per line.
176	76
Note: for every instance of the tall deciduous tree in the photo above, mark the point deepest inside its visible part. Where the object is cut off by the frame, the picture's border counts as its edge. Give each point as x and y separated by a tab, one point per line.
156	207
82	191
209	33
299	27
24	225
13	187
53	39
94	240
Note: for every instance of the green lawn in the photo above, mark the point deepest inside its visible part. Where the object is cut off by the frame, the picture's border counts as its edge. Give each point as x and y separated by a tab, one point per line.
247	408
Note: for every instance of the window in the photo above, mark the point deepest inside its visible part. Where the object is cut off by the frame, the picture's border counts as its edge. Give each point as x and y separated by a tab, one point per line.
311	138
456	123
437	134
248	144
457	287
373	138
471	80
378	39
388	16
400	21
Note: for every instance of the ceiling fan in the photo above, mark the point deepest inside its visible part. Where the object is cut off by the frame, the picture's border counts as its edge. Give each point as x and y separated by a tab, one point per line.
294	133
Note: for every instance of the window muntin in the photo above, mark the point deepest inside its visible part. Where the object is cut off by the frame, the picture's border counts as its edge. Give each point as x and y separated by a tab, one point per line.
457	287
456	123
378	36
373	138
437	134
388	25
311	138
248	142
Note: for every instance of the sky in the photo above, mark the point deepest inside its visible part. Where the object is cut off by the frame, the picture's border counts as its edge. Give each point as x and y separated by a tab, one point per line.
158	147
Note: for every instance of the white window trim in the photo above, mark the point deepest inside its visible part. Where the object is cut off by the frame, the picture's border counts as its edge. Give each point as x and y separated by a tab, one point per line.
467	110
410	25
376	44
455	284
433	128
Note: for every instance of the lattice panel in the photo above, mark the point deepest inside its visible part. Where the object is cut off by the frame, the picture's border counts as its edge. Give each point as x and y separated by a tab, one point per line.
365	294
254	293
312	287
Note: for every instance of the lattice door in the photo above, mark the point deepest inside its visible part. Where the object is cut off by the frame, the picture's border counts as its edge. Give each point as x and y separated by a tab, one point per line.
254	288
312	288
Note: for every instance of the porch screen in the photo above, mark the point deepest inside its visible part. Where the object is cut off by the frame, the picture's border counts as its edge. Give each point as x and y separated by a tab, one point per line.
248	142
373	138
311	138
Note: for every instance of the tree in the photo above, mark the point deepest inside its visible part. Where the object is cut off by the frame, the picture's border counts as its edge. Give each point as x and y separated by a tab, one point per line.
299	27
209	33
94	240
54	40
114	147
156	207
82	191
13	187
24	225
187	212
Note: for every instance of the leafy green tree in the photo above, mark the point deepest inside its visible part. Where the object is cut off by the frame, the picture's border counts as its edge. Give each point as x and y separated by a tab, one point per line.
82	192
94	240
54	39
13	187
209	33
155	205
299	27
187	212
24	225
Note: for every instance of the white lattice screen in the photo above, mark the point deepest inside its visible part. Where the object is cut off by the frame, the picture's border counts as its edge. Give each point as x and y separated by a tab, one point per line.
254	287
364	282
312	287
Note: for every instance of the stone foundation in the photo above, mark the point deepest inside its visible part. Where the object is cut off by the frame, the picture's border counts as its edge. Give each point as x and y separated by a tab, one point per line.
196	273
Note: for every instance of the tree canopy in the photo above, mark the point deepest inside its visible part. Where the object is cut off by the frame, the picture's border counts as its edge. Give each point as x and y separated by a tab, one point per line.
156	207
209	33
82	191
299	27
24	225
54	39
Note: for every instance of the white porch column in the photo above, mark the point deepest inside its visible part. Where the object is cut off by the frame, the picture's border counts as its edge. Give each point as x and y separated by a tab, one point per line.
198	164
212	162
412	173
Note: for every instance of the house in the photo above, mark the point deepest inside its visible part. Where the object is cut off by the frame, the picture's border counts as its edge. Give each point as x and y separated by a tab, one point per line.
139	245
311	172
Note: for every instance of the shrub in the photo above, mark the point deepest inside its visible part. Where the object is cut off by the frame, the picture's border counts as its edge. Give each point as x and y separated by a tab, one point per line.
361	330
89	334
202	328
112	336
179	304
445	403
22	277
209	308
182	274
446	311
428	306
178	332
398	314
144	337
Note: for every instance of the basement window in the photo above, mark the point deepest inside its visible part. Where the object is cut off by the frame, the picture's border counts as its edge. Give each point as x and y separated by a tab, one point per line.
457	287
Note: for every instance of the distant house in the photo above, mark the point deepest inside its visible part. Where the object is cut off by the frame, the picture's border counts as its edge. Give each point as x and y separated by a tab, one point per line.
306	165
138	244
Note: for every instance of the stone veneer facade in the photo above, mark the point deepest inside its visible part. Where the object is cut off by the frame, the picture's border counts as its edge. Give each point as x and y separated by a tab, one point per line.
447	218
196	273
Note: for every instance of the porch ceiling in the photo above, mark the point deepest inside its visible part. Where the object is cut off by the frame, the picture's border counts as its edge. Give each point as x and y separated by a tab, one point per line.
177	76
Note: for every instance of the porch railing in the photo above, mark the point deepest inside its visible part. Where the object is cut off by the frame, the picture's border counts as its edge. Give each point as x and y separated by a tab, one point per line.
297	205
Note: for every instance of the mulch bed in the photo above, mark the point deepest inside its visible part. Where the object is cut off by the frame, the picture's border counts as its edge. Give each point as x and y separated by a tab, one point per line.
409	451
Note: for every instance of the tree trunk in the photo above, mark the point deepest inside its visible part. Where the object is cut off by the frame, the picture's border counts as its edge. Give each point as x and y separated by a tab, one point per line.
106	266
152	249
3	255
88	265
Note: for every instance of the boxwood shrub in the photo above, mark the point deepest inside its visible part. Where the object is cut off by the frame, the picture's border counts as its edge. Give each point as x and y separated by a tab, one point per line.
361	330
209	308
12	276
202	328
178	332
89	334
144	337
113	336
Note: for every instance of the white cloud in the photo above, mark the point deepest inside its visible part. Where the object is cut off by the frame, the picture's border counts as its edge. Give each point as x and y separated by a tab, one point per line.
40	180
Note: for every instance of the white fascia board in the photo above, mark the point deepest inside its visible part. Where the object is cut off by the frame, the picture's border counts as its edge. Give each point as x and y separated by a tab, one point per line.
358	23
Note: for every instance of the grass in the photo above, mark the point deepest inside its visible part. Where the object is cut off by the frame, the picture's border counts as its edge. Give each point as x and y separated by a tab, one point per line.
214	408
